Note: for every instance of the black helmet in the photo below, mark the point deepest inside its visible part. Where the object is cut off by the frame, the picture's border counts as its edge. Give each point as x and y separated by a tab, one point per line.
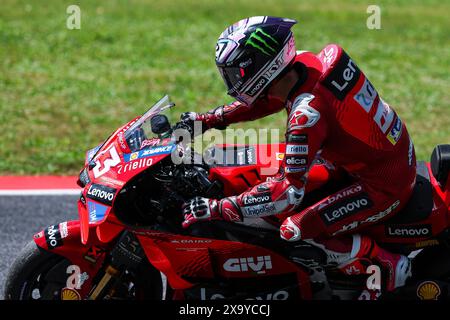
252	53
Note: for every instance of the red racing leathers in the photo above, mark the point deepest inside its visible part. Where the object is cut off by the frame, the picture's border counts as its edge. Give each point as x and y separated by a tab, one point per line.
337	114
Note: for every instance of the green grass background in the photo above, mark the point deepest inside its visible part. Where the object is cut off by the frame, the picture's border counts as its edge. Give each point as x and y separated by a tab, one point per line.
63	91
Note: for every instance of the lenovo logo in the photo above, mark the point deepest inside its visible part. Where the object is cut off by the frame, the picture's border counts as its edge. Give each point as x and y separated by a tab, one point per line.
257	199
259	266
347	75
418	231
346	208
101	193
343	77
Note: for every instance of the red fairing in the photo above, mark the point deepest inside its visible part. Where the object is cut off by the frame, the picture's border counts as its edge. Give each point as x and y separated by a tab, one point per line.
114	165
64	239
436	222
189	260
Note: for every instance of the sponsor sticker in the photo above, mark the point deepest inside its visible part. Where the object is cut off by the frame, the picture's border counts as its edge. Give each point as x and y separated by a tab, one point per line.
416	231
96	211
53	236
296	149
262	188
336	197
70	294
346	208
191	241
101	193
251	155
343	77
296	169
366	95
428	290
297	138
380	215
257	199
279	156
259	210
64	231
239	156
296	161
110	180
134	165
396	131
259	264
154	151
150	142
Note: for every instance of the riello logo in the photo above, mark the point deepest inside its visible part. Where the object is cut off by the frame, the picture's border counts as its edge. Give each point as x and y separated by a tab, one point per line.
260	266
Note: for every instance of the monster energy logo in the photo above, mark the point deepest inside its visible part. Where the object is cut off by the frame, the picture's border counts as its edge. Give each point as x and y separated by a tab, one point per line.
260	40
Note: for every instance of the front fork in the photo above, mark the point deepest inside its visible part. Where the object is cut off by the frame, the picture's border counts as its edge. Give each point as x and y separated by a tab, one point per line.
127	254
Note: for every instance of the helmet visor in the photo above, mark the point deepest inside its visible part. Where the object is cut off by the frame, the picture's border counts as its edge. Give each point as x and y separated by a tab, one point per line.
233	78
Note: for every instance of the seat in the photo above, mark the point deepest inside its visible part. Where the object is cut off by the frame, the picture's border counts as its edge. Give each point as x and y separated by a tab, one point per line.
440	163
420	205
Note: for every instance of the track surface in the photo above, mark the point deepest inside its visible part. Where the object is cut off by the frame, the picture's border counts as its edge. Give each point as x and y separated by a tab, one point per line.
22	216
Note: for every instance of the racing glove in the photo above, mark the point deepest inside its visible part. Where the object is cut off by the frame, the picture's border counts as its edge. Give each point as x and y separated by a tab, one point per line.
204	209
187	122
211	119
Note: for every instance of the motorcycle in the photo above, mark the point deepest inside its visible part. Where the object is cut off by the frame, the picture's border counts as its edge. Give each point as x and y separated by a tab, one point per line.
128	242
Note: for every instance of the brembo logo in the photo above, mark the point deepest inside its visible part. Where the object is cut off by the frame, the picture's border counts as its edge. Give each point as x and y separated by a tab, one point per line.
418	231
262	264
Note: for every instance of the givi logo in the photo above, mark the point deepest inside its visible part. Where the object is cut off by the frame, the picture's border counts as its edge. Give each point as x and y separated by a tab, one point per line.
262	264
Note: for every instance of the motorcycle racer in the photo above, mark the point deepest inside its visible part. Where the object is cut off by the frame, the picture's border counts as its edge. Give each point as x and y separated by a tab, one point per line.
333	112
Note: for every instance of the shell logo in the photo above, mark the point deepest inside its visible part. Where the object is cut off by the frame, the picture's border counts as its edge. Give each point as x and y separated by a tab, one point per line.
428	290
70	294
134	155
279	156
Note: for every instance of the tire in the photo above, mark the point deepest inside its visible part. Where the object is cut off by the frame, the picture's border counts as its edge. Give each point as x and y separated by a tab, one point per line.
36	274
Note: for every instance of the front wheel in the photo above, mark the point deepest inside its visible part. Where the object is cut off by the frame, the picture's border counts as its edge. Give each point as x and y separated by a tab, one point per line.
36	274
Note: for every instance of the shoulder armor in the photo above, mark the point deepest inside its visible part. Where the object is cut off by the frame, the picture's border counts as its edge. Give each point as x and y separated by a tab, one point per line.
302	114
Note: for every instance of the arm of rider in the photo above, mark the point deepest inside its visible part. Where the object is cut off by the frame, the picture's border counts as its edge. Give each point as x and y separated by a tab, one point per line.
222	116
282	193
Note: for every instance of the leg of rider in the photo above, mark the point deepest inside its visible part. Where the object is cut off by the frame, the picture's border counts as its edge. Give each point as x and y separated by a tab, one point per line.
344	213
342	253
